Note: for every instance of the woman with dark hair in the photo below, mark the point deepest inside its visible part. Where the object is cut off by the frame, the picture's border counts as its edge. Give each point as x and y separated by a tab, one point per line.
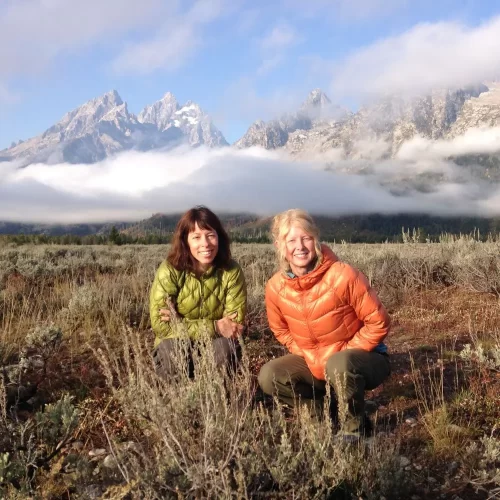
198	290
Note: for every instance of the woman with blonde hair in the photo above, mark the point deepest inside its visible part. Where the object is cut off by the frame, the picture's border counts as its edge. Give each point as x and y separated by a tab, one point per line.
331	321
199	289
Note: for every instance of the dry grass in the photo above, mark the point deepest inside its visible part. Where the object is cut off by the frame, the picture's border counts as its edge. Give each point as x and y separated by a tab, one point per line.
207	437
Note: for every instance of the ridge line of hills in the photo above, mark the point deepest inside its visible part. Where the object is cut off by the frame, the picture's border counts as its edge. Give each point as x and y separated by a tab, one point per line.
370	228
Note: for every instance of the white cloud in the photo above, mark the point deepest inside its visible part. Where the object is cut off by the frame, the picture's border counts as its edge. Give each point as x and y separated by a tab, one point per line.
38	31
252	180
280	37
474	141
274	46
429	56
180	34
242	100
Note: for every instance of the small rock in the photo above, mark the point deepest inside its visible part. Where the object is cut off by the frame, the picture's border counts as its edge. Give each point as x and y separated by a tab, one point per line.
453	467
97	452
110	462
415	497
93	491
130	446
36	362
403	461
432	480
418	467
411	420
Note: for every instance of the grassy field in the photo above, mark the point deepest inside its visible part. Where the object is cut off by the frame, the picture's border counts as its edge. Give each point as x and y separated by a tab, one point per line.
83	415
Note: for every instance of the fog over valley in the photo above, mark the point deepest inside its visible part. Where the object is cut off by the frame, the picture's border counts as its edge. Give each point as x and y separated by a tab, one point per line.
421	178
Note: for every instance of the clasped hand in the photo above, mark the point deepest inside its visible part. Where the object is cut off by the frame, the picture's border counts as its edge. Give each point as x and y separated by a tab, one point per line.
226	327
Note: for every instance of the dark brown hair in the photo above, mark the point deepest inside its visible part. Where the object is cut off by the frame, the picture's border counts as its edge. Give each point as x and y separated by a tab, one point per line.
180	255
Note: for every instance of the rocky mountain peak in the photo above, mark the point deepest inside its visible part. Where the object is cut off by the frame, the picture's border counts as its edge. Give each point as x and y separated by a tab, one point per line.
161	112
103	126
168	97
83	119
195	125
275	133
112	97
316	99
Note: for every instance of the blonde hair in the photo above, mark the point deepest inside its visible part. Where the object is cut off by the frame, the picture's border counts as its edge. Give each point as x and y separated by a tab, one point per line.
280	227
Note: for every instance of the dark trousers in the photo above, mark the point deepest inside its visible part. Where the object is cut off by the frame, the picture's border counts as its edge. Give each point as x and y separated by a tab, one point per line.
349	372
172	354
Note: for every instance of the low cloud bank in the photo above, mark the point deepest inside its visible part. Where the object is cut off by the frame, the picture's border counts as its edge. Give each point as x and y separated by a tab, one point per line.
133	185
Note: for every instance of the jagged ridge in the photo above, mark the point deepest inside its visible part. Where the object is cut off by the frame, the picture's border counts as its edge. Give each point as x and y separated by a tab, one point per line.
103	126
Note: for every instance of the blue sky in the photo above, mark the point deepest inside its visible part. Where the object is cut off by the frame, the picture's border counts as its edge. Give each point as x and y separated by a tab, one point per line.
239	59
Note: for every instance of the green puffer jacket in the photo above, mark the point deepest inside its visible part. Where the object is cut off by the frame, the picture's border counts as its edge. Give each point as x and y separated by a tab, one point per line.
199	301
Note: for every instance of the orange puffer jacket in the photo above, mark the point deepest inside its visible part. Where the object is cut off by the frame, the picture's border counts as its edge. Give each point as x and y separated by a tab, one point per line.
330	309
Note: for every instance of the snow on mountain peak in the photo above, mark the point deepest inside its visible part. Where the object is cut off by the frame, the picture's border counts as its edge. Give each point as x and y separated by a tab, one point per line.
189	118
168	96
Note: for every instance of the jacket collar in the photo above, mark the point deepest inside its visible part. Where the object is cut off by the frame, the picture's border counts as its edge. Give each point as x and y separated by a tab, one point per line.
207	274
310	279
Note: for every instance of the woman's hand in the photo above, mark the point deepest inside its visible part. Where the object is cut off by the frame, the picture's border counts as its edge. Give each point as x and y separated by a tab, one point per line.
165	315
168	312
229	328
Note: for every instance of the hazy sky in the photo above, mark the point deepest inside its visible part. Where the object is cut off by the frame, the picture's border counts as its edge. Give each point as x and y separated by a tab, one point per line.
239	59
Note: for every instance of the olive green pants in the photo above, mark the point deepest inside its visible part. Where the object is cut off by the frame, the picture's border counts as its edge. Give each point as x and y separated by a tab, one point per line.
349	373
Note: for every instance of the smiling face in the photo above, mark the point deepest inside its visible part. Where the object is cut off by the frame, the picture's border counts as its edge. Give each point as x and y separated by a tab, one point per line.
203	245
300	250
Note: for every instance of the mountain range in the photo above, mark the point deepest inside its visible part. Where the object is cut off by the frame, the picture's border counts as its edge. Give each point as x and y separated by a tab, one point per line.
103	127
443	114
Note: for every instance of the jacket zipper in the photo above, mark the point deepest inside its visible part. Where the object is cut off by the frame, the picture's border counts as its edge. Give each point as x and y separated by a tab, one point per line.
202	297
313	337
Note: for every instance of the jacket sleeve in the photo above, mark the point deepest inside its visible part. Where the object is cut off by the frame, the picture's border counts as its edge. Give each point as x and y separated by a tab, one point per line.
278	323
236	294
166	285
365	302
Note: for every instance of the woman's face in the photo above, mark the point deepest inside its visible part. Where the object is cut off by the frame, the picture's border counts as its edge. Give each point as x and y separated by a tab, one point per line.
300	250
203	245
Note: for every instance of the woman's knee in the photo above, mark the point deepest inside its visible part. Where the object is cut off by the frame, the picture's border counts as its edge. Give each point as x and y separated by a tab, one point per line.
273	373
267	378
163	357
227	352
340	363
